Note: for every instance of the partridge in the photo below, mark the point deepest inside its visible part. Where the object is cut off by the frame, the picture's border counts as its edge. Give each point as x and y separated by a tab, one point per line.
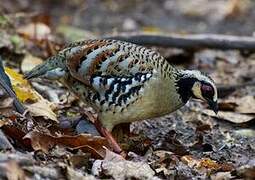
124	82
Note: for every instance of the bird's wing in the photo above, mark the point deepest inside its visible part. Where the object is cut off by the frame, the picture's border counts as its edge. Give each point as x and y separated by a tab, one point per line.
109	58
115	71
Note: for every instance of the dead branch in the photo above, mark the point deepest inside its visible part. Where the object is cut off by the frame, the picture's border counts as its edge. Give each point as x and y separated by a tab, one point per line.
191	42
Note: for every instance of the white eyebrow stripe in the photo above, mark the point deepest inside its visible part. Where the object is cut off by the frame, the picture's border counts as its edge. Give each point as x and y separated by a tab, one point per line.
215	96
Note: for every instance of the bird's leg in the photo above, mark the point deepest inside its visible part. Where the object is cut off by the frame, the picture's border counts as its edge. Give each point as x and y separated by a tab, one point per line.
108	135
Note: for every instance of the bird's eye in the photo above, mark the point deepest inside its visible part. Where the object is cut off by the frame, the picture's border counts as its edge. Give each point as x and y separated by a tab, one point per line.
207	90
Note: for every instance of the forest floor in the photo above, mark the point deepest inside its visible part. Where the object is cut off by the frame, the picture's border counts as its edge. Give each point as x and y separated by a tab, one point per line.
51	140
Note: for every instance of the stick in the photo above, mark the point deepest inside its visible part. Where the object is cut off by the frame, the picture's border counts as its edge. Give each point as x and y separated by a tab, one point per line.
191	42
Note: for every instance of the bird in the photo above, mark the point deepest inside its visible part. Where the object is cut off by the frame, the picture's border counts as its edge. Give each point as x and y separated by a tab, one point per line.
124	82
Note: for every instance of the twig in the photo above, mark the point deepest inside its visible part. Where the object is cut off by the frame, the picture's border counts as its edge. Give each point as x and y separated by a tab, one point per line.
191	42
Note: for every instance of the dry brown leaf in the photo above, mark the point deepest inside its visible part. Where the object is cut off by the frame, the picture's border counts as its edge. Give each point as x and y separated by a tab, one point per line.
96	153
85	142
42	108
112	156
17	135
230	116
205	164
117	167
246	171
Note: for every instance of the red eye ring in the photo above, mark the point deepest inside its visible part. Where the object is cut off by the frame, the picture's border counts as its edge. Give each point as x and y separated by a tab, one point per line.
206	88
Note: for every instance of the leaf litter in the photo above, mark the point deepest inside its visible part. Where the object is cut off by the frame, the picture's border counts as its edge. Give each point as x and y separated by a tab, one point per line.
185	144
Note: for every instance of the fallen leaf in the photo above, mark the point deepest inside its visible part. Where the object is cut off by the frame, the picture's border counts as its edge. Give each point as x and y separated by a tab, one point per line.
230	116
17	135
79	161
221	176
205	164
117	167
112	156
70	173
29	62
3	122
42	108
227	106
246	171
21	86
35	103
163	162
85	142
244	105
38	31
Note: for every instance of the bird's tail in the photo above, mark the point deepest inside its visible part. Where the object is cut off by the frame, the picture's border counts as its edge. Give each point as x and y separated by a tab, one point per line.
36	71
42	69
55	62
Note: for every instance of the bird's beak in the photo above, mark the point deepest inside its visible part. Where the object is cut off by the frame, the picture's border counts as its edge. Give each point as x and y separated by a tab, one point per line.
213	105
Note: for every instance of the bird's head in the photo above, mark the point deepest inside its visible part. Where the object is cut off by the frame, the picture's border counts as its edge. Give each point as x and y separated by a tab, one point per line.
198	85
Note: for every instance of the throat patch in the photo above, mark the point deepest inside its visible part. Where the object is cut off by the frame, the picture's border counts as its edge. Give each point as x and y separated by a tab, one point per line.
184	86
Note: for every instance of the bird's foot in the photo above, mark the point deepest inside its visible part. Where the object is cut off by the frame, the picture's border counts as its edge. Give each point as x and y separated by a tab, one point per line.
105	133
108	135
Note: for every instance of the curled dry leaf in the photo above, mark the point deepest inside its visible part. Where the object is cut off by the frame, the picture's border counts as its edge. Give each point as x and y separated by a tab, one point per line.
117	167
36	104
230	116
85	142
42	108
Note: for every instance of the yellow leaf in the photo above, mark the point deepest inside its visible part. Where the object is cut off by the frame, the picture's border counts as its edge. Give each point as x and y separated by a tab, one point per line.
21	86
35	103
